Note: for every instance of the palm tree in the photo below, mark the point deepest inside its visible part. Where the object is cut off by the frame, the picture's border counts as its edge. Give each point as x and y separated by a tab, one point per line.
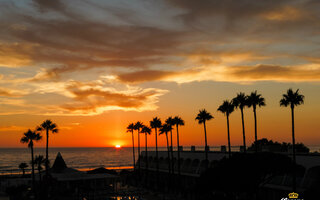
23	166
202	117
130	128
39	161
147	131
255	100
227	108
48	125
165	128
156	123
241	101
137	126
178	122
170	122
292	99
29	137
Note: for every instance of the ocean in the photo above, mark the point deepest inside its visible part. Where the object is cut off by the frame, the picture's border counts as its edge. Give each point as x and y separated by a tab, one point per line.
78	158
83	158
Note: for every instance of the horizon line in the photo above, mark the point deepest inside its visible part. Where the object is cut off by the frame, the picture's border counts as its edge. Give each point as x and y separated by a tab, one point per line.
217	146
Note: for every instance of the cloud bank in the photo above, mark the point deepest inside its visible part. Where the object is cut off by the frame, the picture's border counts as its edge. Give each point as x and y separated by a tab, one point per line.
96	59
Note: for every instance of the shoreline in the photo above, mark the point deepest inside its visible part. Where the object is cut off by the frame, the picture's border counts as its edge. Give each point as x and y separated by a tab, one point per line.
18	171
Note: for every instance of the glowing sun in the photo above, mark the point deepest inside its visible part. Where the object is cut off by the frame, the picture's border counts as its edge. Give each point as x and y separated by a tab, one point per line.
118	146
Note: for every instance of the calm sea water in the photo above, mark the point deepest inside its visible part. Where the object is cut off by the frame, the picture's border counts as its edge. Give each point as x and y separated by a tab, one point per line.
83	158
79	158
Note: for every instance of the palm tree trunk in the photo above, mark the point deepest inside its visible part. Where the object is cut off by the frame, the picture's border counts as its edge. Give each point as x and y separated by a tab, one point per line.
139	163
294	184
205	139
157	158
243	132
255	129
146	135
134	157
229	146
47	154
169	165
178	150
146	157
32	167
172	163
23	172
39	171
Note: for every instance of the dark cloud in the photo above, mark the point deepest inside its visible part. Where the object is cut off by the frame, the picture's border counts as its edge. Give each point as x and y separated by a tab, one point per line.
78	45
76	42
267	19
5	93
230	73
45	5
9	93
181	76
227	8
144	76
274	72
181	41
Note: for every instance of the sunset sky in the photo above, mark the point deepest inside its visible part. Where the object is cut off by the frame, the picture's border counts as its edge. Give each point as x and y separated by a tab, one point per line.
95	66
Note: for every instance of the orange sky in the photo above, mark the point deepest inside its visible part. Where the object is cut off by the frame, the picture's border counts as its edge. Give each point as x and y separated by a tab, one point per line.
109	129
95	66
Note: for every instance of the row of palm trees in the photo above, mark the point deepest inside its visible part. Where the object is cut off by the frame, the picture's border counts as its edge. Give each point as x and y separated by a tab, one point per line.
157	125
32	136
241	101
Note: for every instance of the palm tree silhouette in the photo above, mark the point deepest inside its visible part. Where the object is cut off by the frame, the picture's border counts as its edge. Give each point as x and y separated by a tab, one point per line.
29	137
292	99
165	128
178	122
48	125
130	128
137	126
23	166
241	101
147	131
156	123
39	161
202	117
170	122
255	100
227	108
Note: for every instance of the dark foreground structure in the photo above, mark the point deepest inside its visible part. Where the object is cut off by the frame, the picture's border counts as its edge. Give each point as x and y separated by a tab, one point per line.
243	176
263	175
63	183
